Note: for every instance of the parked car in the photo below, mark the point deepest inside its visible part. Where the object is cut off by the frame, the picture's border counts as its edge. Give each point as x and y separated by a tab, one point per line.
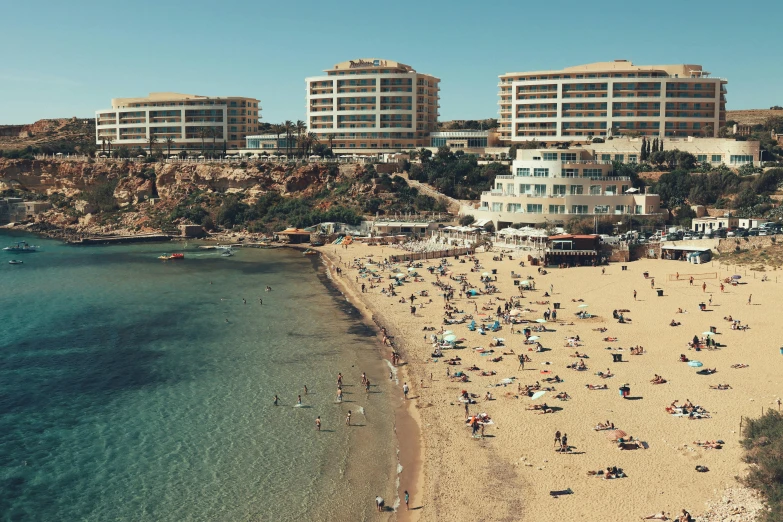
753	231
688	236
731	233
764	232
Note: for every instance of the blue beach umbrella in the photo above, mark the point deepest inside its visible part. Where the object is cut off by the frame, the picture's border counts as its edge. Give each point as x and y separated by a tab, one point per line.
450	338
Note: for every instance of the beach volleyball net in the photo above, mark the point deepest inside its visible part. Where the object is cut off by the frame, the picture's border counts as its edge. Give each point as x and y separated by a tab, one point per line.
696	277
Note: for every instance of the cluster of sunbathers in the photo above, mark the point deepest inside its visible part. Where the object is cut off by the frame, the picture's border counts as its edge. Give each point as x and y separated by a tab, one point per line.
604	426
658	380
580	366
710	444
610	473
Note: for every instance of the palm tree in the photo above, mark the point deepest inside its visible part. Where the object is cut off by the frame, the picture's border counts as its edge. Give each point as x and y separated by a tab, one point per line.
300	128
330	137
312	139
288	125
103	145
152	140
214	133
109	139
169	143
203	132
278	130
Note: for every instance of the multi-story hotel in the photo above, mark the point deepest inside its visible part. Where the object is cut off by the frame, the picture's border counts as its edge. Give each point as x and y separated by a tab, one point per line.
552	186
611	98
372	104
190	120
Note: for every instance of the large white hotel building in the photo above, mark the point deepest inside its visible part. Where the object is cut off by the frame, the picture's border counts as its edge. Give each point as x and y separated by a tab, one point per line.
372	104
192	121
611	98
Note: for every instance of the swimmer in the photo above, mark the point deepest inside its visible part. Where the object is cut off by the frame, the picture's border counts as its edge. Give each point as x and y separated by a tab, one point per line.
226	319
298	400
275	400
318	423
244	301
348	419
268	288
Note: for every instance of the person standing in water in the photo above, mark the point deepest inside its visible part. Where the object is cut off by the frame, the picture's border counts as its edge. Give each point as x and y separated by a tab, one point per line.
340	380
318	423
305	389
348	418
274	401
407	500
339	395
298	400
405	390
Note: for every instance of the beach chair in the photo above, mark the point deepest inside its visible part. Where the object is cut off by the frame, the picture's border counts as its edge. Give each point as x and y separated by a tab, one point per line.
472	326
481	330
495	326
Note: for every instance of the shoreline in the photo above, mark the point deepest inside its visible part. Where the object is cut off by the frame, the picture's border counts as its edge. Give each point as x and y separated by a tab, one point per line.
407	425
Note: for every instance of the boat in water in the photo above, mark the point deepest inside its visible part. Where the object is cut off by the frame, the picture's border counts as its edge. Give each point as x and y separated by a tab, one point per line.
227	253
178	255
166	257
309	252
15	262
22	247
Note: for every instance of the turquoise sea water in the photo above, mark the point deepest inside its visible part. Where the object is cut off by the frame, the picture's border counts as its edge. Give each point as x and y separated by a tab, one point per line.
133	389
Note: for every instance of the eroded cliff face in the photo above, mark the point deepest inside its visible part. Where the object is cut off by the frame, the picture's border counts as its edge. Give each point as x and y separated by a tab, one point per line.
171	180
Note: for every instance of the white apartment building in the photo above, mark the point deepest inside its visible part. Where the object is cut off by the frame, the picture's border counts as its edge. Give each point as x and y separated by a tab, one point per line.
552	186
610	98
192	121
372	105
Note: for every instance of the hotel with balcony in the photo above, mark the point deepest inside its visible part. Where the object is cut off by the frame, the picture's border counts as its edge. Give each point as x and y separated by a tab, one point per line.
553	186
188	119
611	98
372	105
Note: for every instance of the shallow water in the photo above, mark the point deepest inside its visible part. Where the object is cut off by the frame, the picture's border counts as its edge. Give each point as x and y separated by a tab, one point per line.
133	389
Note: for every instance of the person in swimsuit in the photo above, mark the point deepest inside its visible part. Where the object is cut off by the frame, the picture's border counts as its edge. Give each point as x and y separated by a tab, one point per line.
318	423
275	400
298	400
348	418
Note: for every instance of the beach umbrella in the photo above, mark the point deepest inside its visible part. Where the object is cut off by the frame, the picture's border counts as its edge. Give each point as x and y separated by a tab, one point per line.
707	334
537	395
524	283
533	338
411	269
485	274
582	306
515	312
399	276
540	320
736	276
450	338
695	364
616	434
448	332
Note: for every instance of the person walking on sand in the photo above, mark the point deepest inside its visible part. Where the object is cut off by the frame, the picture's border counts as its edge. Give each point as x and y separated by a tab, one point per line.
348	418
298	400
634	295
318	423
339	395
691	280
379	503
305	389
704	287
564	443
405	390
557	438
749	298
275	400
340	379
407	501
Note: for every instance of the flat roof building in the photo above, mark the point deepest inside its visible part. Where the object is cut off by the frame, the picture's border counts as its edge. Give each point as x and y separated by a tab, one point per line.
553	186
192	121
714	151
372	105
610	98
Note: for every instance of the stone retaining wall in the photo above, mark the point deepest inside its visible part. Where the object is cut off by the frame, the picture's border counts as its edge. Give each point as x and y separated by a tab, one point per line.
730	244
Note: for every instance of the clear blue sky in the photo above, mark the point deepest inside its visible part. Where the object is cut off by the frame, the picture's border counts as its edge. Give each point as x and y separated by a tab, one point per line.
63	59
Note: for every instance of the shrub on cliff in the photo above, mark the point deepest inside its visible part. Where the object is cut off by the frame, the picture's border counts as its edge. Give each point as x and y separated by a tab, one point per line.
763	445
101	196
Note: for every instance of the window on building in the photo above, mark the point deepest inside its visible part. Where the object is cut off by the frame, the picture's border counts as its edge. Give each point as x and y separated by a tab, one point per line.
624	189
619	157
514	207
639	210
591	173
534	209
632	158
606	157
619	209
717	158
499	187
577	189
740	159
568	156
595	190
540	173
601	209
701	158
550	156
557	209
579	209
539	190
497	207
570	173
558	190
526	189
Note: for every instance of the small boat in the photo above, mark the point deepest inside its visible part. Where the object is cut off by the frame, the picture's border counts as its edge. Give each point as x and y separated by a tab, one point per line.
309	252
164	257
22	247
178	255
227	253
15	262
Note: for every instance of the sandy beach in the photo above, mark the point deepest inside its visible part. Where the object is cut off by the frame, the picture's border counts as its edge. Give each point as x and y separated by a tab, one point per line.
514	471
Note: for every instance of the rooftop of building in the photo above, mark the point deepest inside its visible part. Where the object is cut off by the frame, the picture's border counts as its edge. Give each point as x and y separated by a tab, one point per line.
373	66
173	96
677	70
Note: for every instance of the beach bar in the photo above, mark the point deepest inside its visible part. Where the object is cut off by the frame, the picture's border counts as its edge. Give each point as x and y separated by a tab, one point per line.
572	250
695	255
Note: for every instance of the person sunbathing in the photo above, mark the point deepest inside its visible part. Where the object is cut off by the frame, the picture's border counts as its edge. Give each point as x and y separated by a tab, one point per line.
720	387
580	355
711	444
610	339
596	386
488	397
473	368
563	396
707	371
604	426
488	373
497	359
656	516
602	329
637	350
606	375
740	365
556	378
534	407
729	318
543	411
674	323
679	310
453	362
683	358
658	379
577	300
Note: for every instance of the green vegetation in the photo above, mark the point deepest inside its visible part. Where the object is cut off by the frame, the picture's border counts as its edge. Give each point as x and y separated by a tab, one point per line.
102	196
763	445
454	174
